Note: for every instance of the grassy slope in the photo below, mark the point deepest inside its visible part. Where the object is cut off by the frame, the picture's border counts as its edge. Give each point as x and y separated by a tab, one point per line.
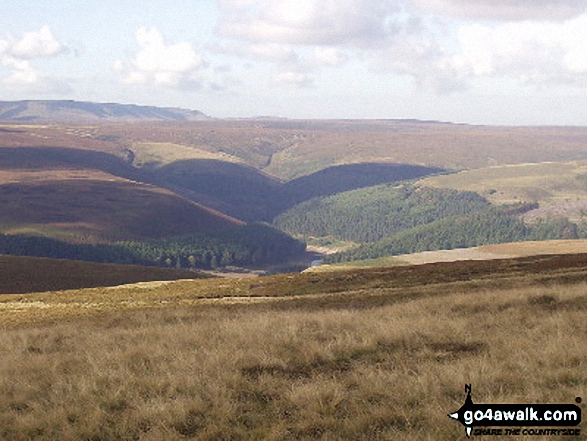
157	154
296	148
376	354
485	252
436	145
552	185
34	274
284	149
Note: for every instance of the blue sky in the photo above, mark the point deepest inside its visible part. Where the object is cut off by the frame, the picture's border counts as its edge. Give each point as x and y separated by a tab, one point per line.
475	61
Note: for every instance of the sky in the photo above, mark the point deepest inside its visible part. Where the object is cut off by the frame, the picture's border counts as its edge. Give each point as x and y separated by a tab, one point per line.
497	62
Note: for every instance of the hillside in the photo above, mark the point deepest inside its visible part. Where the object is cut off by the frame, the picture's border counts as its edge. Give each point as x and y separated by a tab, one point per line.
557	187
484	227
93	210
370	214
76	111
131	179
483	252
363	355
22	275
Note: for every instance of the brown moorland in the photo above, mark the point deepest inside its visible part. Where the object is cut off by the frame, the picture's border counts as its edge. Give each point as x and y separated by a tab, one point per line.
288	149
102	210
23	274
238	166
375	354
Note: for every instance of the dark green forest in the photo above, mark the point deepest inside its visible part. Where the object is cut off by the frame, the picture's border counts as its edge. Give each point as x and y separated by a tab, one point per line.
393	219
253	244
490	226
370	214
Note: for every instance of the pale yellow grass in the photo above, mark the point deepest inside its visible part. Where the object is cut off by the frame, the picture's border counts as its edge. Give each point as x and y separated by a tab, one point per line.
251	372
485	252
18	176
162	153
548	183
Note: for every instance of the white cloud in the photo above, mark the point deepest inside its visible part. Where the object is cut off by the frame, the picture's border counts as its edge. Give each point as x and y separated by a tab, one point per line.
36	44
310	22
159	63
273	52
17	55
540	42
297	79
505	9
536	52
329	56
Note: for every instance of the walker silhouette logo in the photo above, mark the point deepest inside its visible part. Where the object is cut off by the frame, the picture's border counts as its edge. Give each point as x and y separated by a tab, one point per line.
559	417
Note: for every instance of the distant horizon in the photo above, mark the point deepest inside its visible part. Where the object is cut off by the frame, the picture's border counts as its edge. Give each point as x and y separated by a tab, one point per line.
479	62
278	117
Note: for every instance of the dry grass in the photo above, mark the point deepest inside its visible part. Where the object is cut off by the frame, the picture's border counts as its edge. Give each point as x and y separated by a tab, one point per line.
155	154
290	149
211	362
559	187
484	252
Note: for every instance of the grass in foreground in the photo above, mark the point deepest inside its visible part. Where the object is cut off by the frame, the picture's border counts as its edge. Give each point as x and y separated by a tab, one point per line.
268	359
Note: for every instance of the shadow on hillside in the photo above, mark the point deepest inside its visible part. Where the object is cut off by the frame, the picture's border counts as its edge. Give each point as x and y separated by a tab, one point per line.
238	190
341	178
48	158
235	189
248	194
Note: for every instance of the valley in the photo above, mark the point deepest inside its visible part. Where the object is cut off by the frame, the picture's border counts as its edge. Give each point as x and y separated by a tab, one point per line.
155	176
450	255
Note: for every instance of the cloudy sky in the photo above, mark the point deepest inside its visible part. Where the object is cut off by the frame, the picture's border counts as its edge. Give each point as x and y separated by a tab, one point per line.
475	61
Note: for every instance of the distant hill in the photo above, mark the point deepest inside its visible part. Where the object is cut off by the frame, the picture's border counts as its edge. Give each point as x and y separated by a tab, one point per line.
78	111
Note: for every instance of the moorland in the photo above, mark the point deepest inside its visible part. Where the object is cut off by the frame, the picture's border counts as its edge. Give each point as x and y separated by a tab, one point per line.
137	181
378	346
362	354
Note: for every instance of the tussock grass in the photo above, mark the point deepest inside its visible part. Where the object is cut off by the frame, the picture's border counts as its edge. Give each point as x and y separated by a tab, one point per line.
291	368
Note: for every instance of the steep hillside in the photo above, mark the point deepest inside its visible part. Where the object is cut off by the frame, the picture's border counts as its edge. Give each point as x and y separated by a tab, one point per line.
76	111
101	210
341	178
236	189
249	194
558	188
490	226
250	170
